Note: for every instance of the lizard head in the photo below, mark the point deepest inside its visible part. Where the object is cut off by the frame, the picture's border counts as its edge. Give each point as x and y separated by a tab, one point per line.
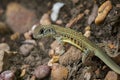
43	31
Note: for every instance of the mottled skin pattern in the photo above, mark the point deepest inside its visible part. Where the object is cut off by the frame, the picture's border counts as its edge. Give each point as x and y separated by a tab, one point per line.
77	39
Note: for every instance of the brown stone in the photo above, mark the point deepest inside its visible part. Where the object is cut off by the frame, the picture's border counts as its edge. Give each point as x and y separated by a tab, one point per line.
19	18
111	76
59	72
72	55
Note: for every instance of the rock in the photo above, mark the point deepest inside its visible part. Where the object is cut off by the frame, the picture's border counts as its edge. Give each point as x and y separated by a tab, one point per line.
3	55
7	75
45	20
3	60
59	72
72	55
55	10
93	14
27	47
42	71
111	76
87	76
19	18
51	53
4	47
57	47
103	11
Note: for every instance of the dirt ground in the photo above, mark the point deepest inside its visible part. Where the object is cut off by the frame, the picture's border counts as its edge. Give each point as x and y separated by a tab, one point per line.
106	34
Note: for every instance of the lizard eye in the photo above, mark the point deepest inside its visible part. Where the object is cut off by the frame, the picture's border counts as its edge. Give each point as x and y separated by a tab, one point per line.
41	31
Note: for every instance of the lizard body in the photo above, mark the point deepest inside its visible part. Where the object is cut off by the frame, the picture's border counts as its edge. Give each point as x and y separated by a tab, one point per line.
75	38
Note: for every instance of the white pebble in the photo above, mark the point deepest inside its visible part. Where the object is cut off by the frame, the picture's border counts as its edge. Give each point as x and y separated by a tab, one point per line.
55	10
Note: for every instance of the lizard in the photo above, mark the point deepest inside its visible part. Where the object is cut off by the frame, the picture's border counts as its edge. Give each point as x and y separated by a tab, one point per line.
76	39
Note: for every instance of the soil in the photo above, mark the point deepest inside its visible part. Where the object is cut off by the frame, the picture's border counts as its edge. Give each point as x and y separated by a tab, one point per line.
107	32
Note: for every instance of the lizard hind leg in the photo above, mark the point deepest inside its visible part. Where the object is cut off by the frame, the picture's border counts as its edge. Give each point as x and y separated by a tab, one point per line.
86	56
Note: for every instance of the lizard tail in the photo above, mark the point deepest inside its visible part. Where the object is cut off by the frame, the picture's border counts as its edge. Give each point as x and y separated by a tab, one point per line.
108	61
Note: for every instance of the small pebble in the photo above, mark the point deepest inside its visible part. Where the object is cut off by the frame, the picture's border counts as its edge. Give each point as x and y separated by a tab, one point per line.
51	52
87	11
59	72
50	63
4	47
59	22
55	10
87	76
25	49
45	20
32	78
7	75
87	28
42	71
1	60
15	36
53	60
111	76
103	11
27	35
87	34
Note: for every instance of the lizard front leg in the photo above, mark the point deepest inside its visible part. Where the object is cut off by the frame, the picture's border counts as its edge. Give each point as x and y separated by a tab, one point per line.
59	49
